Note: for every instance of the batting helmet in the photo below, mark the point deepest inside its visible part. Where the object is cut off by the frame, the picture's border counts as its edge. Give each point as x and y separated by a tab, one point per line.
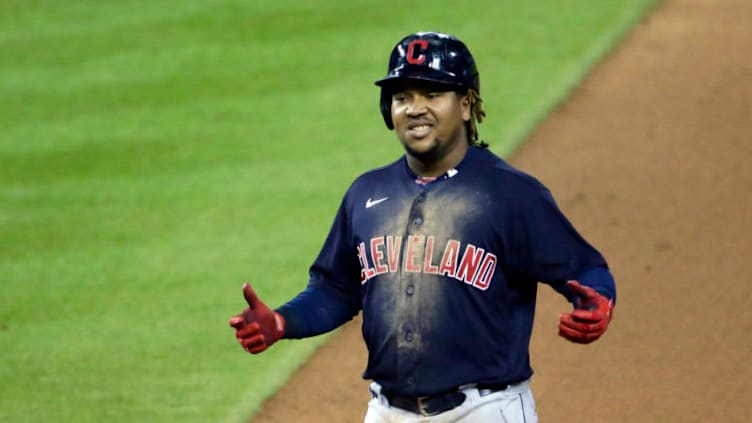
428	56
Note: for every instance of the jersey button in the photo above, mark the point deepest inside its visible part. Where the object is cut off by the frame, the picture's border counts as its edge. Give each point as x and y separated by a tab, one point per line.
418	221
410	290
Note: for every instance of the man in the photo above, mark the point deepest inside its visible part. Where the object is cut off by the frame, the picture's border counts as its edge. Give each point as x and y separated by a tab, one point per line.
442	251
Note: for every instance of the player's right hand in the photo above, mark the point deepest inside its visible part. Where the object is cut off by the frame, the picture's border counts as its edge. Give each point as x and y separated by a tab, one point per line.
258	326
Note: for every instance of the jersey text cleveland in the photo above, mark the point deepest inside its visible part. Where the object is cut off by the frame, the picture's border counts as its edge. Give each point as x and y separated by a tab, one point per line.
473	265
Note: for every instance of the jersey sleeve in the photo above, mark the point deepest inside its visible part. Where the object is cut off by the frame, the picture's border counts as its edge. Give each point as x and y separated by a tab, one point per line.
332	296
599	278
548	248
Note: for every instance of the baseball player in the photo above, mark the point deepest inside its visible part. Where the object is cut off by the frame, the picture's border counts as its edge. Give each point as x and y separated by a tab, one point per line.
442	251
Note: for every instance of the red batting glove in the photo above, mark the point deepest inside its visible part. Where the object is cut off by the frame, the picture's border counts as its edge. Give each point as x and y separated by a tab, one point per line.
590	318
258	327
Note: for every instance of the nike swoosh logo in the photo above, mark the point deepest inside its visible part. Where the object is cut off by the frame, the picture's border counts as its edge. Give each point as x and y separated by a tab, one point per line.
370	203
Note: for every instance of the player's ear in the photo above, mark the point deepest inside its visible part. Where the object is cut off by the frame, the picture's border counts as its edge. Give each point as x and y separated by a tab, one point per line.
466	105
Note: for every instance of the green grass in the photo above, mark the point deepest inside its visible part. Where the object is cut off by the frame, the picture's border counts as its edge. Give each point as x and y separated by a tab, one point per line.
156	154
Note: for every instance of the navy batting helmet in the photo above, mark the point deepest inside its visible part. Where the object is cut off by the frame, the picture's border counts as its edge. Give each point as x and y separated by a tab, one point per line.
428	56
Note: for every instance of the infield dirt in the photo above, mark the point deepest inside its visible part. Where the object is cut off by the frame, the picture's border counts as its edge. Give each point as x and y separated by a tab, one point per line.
650	158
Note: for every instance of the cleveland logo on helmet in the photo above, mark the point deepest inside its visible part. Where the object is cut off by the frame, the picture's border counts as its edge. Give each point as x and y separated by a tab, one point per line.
421	45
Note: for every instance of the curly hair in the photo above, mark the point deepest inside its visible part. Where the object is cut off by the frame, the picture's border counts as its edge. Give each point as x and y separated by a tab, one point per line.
477	113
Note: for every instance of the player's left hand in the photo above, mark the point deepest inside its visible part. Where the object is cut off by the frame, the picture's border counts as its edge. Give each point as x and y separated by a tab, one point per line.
590	318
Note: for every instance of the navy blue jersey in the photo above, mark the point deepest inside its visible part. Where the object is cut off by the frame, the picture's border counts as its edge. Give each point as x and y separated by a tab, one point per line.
445	273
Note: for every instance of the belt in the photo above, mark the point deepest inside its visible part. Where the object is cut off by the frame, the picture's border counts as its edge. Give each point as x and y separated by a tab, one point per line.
437	404
427	406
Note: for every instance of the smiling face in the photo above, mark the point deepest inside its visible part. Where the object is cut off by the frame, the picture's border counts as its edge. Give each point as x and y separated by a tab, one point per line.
429	120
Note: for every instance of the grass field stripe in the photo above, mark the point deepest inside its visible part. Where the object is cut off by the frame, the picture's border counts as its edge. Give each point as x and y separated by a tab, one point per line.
516	132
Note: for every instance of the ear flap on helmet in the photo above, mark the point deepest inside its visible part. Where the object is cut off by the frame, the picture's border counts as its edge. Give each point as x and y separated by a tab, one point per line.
385	103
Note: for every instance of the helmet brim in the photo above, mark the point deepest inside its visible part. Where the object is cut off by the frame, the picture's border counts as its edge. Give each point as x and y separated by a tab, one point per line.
423	74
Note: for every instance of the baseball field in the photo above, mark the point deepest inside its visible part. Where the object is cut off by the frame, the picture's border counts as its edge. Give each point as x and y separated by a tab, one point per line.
155	155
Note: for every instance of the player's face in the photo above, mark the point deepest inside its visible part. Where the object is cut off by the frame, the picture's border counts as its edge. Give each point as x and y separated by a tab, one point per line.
430	121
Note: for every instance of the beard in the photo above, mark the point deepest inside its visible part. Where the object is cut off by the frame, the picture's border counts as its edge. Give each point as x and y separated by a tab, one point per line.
428	155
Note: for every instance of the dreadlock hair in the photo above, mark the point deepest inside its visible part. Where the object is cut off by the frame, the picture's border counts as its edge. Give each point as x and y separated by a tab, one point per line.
477	113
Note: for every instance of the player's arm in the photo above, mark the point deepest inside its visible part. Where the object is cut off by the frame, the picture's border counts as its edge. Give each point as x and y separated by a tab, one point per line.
320	308
316	310
333	293
331	298
598	278
555	253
